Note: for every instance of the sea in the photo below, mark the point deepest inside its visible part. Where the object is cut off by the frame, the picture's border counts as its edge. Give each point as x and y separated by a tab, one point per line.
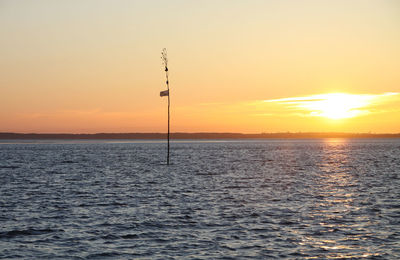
218	199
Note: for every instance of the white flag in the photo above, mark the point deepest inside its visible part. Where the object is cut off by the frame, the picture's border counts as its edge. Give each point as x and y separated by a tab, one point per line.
164	93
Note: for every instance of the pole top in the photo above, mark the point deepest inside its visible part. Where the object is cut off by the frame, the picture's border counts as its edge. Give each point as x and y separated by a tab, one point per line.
164	58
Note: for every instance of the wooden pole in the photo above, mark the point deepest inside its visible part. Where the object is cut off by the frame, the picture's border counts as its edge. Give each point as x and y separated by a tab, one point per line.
168	114
165	60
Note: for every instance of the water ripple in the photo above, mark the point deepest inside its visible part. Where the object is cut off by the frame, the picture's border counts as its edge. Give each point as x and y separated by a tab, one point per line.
293	199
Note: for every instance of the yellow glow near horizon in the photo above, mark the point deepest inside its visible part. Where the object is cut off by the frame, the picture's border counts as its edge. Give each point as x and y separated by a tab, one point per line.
334	105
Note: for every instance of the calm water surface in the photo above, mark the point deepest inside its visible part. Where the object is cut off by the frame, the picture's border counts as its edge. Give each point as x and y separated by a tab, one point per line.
295	199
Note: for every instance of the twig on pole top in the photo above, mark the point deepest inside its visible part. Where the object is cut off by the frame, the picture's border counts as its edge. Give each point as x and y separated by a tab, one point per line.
164	58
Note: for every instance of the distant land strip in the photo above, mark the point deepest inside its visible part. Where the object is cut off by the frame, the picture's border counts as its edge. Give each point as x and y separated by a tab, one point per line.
142	136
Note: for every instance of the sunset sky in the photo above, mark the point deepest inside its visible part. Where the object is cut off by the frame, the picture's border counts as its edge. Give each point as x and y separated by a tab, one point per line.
235	66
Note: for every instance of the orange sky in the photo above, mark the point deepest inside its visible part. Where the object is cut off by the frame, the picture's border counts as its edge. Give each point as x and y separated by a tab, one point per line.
235	66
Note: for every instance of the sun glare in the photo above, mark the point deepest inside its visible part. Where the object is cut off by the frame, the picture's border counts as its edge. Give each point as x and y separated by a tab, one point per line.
333	105
337	105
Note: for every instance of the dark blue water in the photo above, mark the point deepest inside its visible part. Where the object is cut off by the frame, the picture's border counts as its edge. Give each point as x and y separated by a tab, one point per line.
295	199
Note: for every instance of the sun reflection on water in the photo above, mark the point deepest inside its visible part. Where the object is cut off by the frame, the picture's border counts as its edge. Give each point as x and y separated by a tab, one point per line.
339	230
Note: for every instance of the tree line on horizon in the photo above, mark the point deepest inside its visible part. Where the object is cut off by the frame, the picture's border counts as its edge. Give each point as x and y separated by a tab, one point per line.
205	135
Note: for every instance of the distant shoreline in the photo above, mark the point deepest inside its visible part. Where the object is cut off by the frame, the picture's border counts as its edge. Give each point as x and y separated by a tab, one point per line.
183	136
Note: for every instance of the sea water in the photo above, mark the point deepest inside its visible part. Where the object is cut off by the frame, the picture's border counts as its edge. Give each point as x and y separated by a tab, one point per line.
261	199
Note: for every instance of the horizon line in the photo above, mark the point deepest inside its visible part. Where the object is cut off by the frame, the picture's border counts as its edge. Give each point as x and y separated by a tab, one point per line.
195	135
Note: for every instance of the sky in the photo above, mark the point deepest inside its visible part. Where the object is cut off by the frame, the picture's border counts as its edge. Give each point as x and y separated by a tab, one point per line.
235	66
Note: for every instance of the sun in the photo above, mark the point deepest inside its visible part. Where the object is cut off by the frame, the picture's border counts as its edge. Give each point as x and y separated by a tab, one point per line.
336	105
